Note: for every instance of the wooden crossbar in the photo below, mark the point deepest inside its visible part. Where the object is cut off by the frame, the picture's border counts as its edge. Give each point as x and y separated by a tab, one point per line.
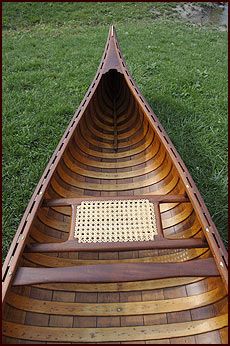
60	202
115	272
73	246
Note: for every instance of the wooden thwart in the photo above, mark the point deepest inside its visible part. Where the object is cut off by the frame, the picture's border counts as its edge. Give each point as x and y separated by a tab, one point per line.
60	202
115	272
73	246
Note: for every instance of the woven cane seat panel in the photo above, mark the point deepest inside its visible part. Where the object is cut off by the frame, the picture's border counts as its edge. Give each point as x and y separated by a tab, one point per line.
115	221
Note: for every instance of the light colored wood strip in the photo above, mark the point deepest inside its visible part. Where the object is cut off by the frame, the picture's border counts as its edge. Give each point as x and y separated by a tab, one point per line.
136	127
178	217
121	286
73	166
115	309
185	233
115	333
161	173
137	137
47	261
62	191
118	155
140	159
130	123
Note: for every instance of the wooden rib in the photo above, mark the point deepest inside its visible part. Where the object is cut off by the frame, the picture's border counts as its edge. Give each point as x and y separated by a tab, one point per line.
115	309
128	150
114	333
118	155
127	103
178	217
88	130
184	233
137	137
190	222
53	223
130	123
41	237
127	129
121	136
115	272
47	261
126	100
71	193
159	175
74	167
104	113
124	135
139	159
122	127
120	286
96	126
88	135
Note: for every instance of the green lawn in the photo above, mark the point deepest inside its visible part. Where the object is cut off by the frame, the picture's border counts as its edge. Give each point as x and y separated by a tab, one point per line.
50	55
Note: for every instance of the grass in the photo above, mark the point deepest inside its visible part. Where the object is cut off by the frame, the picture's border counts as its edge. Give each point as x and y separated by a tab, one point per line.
50	55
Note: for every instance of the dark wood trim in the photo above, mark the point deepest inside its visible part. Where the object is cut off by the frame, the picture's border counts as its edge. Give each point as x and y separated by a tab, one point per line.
60	202
115	272
158	220
73	221
73	245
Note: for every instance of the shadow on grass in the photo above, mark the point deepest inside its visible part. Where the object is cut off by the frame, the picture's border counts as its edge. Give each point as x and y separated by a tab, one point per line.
188	137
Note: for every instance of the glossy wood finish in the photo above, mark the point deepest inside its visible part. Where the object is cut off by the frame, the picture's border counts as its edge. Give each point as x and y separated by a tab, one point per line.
115	148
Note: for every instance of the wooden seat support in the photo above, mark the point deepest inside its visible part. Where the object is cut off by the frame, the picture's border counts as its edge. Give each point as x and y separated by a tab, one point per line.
73	246
115	272
61	202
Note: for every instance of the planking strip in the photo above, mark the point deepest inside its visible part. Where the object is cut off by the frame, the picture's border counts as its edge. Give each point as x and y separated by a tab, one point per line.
47	261
115	309
121	286
136	333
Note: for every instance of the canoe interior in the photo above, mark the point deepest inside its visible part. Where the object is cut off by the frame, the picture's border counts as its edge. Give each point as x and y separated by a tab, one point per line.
114	152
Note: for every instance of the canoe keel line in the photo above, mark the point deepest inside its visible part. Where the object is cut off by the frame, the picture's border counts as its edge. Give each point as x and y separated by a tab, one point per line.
116	244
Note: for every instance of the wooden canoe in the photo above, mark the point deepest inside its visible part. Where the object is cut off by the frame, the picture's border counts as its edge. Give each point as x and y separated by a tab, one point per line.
170	289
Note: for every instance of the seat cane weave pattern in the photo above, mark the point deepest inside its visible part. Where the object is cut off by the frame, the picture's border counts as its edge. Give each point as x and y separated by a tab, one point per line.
115	221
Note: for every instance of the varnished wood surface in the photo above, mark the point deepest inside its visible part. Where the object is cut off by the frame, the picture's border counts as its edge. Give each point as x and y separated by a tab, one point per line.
115	334
115	272
73	246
